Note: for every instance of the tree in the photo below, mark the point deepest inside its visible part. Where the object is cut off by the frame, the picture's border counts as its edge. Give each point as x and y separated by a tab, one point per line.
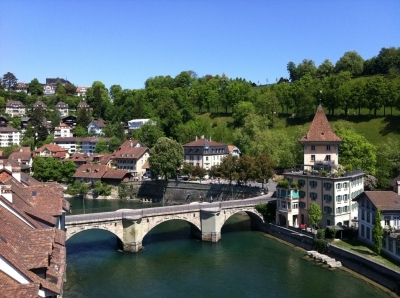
351	61
101	188
264	168
83	117
314	214
38	126
187	169
325	69
78	188
149	133
9	81
228	167
97	98
68	170
80	131
165	157
246	168
114	143
355	150
101	147
47	169
377	232
35	88
199	172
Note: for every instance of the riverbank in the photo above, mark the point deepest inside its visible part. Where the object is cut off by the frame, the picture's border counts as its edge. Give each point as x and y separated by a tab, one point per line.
374	273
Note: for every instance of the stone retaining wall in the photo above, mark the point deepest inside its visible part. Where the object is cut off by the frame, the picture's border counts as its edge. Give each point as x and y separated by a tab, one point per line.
381	274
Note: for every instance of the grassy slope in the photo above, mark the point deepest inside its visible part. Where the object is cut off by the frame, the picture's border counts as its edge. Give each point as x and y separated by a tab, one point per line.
375	129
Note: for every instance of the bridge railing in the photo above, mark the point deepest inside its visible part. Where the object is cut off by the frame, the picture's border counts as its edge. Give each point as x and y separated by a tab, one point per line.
138	213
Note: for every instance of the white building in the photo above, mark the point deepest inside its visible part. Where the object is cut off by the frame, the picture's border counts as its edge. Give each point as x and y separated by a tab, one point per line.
205	153
9	136
96	126
62	107
388	202
15	108
62	131
319	180
137	123
74	144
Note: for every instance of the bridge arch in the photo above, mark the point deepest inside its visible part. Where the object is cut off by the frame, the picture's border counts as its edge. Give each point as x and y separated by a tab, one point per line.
114	227
256	219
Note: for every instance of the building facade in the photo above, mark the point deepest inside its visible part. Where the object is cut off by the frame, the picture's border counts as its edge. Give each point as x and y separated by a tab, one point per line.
319	180
62	107
388	202
9	136
62	131
96	126
205	153
131	156
15	108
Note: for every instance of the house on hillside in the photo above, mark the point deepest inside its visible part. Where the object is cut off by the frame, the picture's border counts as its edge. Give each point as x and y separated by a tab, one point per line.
3	121
233	150
205	153
83	105
69	120
23	157
388	202
96	126
135	124
62	131
92	173
51	150
21	87
15	108
131	158
62	107
39	105
81	91
9	136
321	180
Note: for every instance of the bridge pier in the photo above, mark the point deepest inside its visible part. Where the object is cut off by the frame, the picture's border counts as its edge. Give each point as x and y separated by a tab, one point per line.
210	227
132	234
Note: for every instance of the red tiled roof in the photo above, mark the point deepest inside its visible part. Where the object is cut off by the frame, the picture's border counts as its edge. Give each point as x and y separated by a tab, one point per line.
90	171
130	153
51	148
320	130
129	144
116	174
99	122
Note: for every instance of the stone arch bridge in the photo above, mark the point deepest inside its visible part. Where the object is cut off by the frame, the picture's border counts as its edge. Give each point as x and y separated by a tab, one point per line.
132	225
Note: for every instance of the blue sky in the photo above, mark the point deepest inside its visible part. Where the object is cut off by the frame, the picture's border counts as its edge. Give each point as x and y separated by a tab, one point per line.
125	42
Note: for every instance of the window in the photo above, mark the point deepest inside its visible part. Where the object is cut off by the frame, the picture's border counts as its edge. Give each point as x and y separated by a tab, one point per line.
312	148
339	199
302	205
327	185
362	215
302	194
338	210
313	184
368	231
327	210
345	208
312	157
390	244
302	182
327	198
338	186
345	185
295	206
387	220
362	230
328	158
328	148
367	204
345	198
368	217
398	247
313	196
207	158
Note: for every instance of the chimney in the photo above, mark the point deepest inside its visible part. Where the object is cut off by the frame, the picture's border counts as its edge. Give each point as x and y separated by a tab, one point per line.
398	187
196	138
202	137
210	138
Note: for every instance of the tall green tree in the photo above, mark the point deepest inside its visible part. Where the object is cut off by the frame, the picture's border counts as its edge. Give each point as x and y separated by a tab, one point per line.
264	168
166	157
35	88
101	147
377	232
351	61
325	69
9	81
149	133
314	214
229	167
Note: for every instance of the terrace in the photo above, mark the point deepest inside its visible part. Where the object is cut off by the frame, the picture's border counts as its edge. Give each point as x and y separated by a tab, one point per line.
322	170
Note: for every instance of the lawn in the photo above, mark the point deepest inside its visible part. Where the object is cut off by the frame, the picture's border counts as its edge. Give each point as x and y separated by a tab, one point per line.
359	248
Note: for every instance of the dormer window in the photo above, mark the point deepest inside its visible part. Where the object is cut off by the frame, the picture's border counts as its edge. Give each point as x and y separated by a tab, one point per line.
328	148
312	148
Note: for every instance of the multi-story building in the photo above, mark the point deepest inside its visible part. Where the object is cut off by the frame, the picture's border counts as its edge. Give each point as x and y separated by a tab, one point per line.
15	108
131	156
62	107
319	180
74	144
81	91
21	87
205	153
83	105
96	126
388	202
51	85
39	105
51	150
9	136
135	124
62	131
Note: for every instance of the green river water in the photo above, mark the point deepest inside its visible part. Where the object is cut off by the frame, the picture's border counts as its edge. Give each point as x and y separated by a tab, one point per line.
244	263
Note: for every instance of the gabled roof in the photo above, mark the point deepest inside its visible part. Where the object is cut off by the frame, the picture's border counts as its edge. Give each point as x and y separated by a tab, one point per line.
61	104
130	144
99	123
320	129
116	174
83	104
130	153
384	200
90	171
51	148
39	104
8	129
204	143
9	103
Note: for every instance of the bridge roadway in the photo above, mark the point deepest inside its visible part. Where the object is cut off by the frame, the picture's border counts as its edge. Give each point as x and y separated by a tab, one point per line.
132	225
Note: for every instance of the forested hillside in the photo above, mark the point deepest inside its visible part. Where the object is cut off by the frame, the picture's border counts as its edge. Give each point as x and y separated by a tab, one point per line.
267	119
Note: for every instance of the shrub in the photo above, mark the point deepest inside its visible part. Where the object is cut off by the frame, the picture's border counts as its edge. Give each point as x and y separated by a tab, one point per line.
283	183
330	233
320	245
321	234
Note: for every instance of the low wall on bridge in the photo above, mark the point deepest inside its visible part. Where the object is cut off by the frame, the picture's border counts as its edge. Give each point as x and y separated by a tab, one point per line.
131	226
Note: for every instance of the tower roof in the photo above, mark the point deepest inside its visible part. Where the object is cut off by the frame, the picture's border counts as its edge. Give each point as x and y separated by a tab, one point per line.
320	129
